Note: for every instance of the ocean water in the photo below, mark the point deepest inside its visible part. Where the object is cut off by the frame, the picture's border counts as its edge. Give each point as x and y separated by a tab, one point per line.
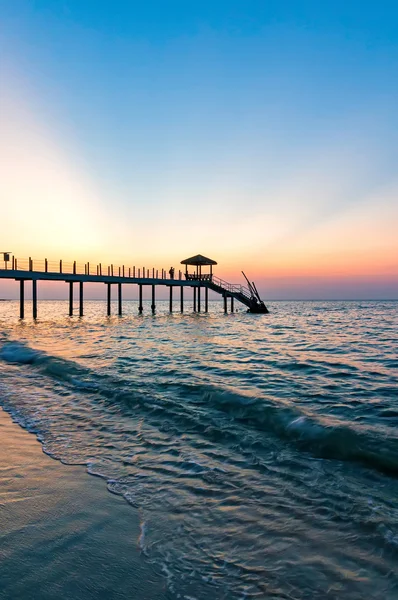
261	451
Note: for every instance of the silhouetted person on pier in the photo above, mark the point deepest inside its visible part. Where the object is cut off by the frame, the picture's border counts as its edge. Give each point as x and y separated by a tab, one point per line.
171	272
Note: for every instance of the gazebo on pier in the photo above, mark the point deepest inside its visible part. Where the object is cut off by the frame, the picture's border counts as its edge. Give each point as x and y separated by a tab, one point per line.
198	261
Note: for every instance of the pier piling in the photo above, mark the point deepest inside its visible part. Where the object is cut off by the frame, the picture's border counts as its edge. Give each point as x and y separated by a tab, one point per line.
34	298
119	298
153	305
171	299
80	298
194	299
232	304
22	299
225	304
140	307
108	299
199	299
181	299
71	298
206	299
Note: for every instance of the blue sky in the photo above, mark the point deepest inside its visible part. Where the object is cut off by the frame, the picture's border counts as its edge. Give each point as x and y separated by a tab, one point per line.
259	133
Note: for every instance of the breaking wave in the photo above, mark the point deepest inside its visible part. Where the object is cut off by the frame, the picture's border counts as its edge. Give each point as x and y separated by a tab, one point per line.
324	438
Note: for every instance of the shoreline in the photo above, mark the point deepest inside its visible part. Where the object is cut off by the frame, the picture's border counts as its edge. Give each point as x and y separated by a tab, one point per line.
62	533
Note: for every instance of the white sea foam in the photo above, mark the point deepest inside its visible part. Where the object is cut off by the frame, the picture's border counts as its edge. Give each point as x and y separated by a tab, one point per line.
141	539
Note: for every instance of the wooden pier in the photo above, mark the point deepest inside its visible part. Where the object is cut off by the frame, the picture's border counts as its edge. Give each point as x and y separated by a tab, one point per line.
24	270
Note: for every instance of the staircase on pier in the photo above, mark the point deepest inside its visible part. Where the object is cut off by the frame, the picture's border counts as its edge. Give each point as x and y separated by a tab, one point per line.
243	294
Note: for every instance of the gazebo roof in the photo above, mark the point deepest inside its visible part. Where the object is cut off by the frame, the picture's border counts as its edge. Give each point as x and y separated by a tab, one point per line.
198	260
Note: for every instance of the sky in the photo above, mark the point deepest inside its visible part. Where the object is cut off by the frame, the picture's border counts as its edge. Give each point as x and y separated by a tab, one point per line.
263	134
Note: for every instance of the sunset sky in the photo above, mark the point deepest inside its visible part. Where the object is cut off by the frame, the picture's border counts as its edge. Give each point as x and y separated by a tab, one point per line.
263	134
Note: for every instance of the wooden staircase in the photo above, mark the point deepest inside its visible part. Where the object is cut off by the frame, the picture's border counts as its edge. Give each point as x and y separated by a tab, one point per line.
246	295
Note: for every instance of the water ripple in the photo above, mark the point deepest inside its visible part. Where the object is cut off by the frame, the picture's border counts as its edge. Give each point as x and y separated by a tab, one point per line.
262	454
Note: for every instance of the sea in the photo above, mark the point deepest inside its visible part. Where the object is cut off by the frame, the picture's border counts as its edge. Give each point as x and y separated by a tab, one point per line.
260	451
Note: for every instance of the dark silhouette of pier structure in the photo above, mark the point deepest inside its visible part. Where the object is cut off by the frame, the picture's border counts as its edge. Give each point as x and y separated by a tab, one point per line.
199	280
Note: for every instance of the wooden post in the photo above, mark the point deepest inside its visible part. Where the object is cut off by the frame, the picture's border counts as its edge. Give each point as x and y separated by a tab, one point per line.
119	297
171	299
134	272
129	271
13	263
60	266
74	267
108	299
21	298
182	299
232	304
80	298
194	299
225	304
206	299
71	298
153	305
199	299
34	298
140	307
46	265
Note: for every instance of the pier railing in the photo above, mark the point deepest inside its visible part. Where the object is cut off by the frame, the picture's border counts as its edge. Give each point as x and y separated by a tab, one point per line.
77	268
231	287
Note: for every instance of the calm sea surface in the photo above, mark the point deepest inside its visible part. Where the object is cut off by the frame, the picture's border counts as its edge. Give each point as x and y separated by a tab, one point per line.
261	451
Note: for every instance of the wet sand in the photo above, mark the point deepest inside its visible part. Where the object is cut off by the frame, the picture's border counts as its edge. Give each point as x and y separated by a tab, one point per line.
62	534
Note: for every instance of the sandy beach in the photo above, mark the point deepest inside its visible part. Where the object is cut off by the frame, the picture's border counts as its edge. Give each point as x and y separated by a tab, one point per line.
62	534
